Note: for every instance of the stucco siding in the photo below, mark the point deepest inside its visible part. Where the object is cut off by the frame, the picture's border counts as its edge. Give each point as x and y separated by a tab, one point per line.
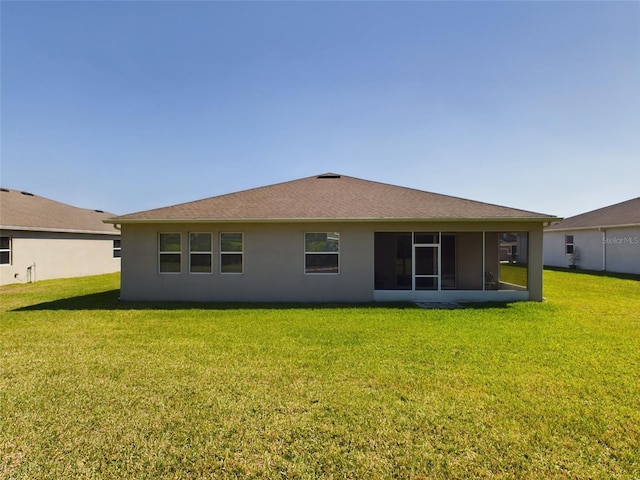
57	255
274	261
273	266
622	250
554	250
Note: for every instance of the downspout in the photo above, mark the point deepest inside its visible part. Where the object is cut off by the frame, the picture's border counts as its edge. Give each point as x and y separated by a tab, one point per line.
604	250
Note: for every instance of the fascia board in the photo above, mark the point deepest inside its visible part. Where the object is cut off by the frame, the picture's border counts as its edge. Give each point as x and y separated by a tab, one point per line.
56	230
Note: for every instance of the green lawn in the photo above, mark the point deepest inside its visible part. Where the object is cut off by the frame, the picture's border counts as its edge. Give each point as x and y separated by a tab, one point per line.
94	388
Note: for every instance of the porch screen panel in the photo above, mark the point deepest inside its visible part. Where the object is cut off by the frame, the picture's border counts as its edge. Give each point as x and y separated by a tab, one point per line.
448	266
514	265
393	260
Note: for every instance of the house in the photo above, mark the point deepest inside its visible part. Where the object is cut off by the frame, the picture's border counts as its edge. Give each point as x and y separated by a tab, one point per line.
42	239
328	238
606	239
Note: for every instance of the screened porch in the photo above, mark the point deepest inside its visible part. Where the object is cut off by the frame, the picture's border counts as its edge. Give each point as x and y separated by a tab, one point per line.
453	266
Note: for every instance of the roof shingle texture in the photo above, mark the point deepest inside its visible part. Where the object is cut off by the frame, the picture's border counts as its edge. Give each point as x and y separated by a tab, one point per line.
32	212
329	197
624	213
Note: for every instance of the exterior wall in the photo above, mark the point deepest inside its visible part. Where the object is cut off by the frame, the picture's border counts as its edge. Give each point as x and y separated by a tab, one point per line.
622	250
469	258
274	262
58	255
273	266
554	249
612	249
534	280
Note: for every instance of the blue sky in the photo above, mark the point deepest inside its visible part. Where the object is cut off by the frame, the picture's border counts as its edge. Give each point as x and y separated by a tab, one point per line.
127	106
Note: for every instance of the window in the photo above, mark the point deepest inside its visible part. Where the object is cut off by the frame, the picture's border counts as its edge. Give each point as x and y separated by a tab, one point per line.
5	250
170	248
200	252
231	252
321	252
116	249
568	244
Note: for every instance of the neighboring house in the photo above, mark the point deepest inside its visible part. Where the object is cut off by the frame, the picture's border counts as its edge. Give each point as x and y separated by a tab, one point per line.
606	239
42	239
327	238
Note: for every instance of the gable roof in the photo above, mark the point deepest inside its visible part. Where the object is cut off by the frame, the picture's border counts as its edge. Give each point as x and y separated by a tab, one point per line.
617	215
26	211
329	197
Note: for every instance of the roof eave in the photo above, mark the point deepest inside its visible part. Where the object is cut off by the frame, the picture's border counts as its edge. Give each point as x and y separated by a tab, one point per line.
122	221
57	230
593	227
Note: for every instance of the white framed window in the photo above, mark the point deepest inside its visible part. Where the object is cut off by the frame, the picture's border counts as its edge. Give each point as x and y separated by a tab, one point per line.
169	252
5	250
569	246
200	252
117	251
232	252
322	252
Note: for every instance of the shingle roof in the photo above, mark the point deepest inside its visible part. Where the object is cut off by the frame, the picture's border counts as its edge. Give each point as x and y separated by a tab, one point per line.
25	211
621	214
329	197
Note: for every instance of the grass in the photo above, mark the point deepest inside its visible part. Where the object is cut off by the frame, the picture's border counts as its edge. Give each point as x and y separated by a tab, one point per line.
514	274
94	388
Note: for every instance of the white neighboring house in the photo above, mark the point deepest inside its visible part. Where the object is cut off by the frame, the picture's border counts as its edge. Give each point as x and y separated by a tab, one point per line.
606	239
42	239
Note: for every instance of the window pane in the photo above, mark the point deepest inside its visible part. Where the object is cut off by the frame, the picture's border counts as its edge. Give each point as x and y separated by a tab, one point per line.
4	258
321	263
170	263
426	283
169	242
4	243
200	242
117	253
116	244
322	242
200	263
231	263
569	248
231	242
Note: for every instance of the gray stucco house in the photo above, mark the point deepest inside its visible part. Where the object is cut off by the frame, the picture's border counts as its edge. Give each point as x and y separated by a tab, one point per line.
328	238
606	239
42	239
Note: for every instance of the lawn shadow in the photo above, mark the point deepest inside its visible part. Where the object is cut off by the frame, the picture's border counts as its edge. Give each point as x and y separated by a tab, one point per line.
110	300
595	273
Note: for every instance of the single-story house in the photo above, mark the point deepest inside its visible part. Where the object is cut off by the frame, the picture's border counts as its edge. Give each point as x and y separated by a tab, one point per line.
329	238
606	239
42	239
